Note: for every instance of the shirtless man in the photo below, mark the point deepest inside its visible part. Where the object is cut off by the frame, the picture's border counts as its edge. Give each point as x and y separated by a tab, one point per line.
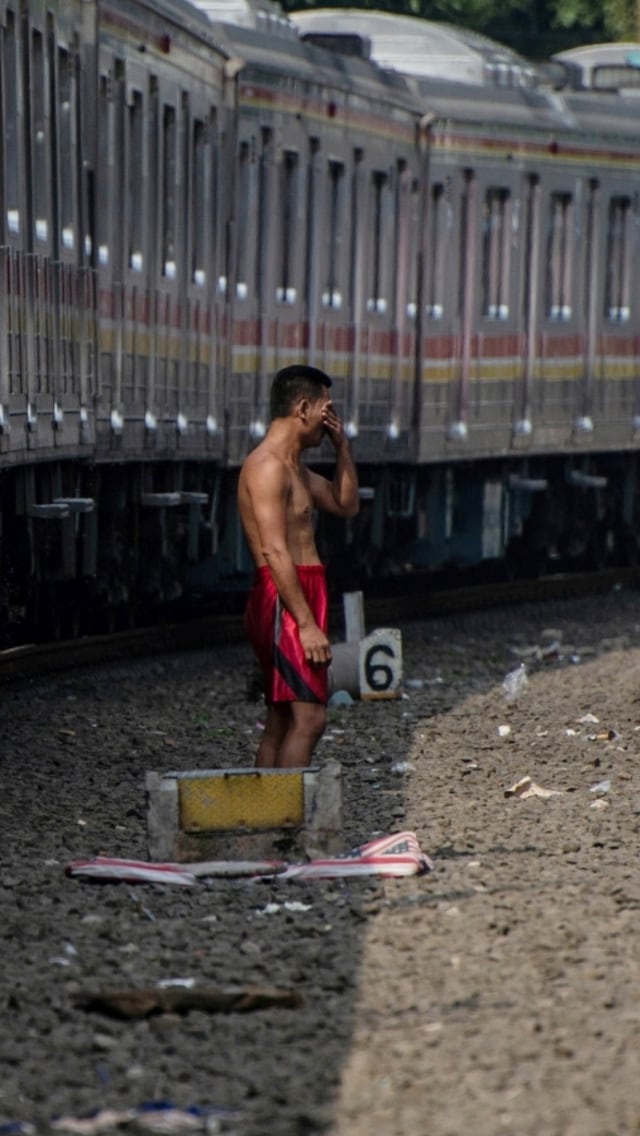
287	609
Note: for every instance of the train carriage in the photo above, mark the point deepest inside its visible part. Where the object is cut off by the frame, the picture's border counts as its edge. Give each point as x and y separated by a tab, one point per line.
192	197
326	181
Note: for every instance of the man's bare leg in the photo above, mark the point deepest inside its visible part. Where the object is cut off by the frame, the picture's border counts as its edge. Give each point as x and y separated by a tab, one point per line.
306	727
277	725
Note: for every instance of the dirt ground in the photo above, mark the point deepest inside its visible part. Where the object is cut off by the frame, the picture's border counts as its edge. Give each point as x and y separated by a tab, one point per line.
497	994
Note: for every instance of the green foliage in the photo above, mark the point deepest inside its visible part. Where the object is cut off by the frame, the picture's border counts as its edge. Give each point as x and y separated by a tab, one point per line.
616	18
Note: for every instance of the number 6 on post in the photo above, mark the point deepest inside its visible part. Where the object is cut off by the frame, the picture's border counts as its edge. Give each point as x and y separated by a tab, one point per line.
380	664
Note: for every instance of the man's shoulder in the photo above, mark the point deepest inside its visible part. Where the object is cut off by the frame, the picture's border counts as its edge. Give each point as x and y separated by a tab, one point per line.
264	459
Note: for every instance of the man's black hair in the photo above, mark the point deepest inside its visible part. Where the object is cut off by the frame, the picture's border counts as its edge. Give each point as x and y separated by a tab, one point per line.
293	383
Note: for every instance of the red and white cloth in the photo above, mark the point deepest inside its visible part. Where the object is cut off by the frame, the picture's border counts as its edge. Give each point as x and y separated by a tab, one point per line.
397	855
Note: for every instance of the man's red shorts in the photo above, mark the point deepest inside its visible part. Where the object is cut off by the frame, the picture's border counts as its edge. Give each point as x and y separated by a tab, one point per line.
273	634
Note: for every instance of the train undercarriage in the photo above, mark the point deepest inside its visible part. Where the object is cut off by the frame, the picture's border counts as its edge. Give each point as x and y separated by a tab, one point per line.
91	548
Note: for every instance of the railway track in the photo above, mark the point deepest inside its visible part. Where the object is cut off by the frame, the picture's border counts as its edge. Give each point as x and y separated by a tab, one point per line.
211	629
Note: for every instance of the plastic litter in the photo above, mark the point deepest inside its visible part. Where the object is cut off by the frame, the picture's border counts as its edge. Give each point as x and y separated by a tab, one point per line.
154	1116
341	698
290	905
398	855
515	683
525	787
600	786
395	855
109	868
399	768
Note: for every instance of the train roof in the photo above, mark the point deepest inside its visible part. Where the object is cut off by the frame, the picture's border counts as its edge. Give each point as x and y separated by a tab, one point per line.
418	47
613	67
263	16
259	35
420	66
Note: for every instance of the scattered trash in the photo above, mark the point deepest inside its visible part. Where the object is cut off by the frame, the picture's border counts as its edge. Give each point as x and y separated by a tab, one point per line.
515	682
604	736
525	787
589	720
143	1003
65	959
398	855
549	650
414	683
290	905
600	787
154	1116
340	698
142	871
504	731
399	768
130	871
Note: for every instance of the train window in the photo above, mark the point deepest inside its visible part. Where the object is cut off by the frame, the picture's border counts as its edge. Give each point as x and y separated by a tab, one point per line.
437	243
403	251
169	202
105	147
67	150
496	221
617	299
413	229
286	291
263	211
465	249
198	196
312	226
332	294
11	165
39	173
243	211
135	180
357	227
378	216
529	264
559	257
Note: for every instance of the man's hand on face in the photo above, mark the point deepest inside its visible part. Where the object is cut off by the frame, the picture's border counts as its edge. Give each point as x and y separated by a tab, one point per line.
333	426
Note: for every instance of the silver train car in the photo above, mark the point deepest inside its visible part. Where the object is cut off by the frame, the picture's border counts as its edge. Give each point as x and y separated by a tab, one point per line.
192	197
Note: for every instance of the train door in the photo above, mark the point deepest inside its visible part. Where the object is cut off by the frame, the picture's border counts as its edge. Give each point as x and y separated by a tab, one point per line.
13	246
29	224
201	392
529	290
373	304
561	342
591	289
71	284
460	389
406	232
440	316
123	220
328	270
251	284
618	398
496	350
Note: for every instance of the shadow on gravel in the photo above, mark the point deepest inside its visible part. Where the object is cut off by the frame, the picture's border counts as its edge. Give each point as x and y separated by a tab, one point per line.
74	757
